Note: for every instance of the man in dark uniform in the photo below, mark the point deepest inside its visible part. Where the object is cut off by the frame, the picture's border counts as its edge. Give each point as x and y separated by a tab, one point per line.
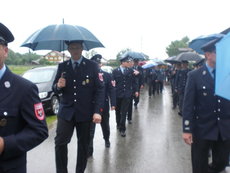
206	117
140	79
82	88
173	74
180	82
22	118
151	80
109	97
126	83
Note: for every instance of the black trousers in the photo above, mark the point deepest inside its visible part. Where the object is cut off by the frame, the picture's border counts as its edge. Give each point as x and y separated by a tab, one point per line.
200	150
159	86
105	130
136	99
130	109
152	88
122	105
64	134
180	100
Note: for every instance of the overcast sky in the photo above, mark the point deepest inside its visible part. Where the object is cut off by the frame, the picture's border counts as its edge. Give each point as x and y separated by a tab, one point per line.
148	26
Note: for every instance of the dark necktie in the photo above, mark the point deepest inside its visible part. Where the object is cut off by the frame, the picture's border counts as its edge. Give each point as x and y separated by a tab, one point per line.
214	73
75	66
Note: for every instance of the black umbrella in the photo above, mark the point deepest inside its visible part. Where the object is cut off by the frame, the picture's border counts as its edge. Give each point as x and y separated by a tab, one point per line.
188	56
53	37
171	60
135	55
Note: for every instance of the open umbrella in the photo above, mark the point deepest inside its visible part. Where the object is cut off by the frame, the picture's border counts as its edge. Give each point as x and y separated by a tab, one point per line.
134	55
149	64
171	60
222	82
53	37
188	56
198	42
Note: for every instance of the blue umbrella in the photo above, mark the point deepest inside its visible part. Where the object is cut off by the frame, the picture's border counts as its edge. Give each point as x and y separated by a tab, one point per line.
134	55
149	64
53	37
222	83
198	42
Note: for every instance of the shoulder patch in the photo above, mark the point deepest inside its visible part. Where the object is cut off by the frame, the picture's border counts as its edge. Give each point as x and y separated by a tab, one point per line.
39	111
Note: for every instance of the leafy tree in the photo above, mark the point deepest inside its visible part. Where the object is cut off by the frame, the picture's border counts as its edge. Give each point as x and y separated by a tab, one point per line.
21	59
173	48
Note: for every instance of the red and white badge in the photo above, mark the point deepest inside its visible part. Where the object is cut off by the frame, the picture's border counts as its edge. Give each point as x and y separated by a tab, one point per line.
100	75
39	111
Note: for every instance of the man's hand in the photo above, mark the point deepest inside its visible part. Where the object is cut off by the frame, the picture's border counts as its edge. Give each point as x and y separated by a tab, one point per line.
187	138
113	108
96	118
61	83
142	86
136	94
136	72
1	145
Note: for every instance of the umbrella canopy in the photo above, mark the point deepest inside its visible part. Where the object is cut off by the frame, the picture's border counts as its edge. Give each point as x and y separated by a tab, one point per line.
198	42
149	64
53	37
171	60
134	55
222	82
188	56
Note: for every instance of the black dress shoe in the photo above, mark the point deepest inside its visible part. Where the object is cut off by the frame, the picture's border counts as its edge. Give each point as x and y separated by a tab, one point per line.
123	134
107	143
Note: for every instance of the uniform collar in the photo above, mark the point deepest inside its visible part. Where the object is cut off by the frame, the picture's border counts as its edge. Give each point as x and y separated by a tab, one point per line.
2	71
78	61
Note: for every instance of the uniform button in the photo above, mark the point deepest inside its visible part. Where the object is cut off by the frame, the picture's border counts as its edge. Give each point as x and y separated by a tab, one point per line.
5	113
218	110
218	118
75	100
74	87
74	80
124	85
75	93
215	111
219	101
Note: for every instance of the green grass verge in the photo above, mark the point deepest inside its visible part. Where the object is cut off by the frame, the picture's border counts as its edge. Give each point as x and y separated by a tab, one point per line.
50	119
20	69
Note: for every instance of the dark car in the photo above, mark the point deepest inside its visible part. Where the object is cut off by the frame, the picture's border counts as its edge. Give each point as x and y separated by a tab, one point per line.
43	77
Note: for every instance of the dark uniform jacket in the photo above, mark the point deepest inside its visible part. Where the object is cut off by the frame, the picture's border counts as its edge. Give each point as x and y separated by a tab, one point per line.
84	92
22	119
205	115
110	91
140	76
180	80
126	83
151	75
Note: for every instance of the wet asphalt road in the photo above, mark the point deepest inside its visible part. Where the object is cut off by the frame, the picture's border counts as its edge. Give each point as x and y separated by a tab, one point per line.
153	143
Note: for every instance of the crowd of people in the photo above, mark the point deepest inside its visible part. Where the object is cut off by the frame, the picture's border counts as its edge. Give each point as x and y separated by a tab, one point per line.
88	95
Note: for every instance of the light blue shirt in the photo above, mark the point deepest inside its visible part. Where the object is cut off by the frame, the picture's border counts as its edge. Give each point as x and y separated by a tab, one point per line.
78	61
210	69
122	69
2	71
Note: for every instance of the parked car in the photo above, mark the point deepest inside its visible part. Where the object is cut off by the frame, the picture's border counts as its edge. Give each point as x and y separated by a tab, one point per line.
43	77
